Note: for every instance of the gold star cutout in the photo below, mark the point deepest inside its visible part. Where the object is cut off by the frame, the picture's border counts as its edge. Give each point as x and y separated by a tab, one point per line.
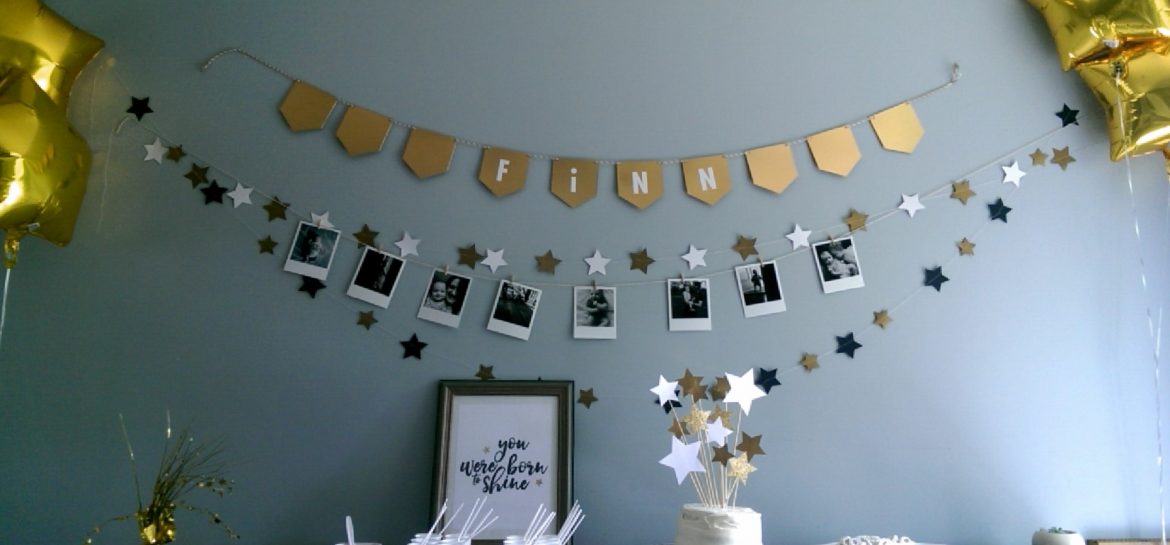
966	247
745	246
175	153
586	397
486	450
538	482
739	468
696	420
366	236
197	175
722	455
1038	158
809	362
962	191
1062	158
677	428
693	386
366	319
267	245
750	445
640	260
470	256
275	209
721	413
856	220
720	389
485	373
547	263
882	318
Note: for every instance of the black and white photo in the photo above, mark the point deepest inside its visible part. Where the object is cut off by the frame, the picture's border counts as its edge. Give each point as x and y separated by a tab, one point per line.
375	278
594	312
312	250
514	309
838	265
759	289
689	304
443	301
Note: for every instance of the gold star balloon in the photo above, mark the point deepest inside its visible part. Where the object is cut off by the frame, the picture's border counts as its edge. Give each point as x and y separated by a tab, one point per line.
42	44
1088	31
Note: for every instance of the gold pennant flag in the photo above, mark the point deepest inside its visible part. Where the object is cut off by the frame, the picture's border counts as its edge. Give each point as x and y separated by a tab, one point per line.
835	150
428	153
639	182
362	131
503	171
707	178
305	108
772	167
574	181
897	128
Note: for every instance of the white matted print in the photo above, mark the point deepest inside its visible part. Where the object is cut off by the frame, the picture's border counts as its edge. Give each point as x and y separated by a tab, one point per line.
514	309
594	312
375	278
443	301
759	289
311	253
838	265
689	304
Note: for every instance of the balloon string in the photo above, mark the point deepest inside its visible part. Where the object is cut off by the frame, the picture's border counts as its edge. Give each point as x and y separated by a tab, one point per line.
4	304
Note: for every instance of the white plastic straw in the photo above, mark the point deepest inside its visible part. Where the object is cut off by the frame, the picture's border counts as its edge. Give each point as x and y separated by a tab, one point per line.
532	525
484	526
349	529
443	530
431	532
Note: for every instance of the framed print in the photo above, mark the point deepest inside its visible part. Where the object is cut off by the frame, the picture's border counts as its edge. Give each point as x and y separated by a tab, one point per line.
1124	541
375	278
838	265
510	442
689	307
594	312
443	301
312	249
514	309
759	289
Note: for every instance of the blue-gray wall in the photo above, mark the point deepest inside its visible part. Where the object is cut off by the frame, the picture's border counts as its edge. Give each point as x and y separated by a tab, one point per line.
1020	396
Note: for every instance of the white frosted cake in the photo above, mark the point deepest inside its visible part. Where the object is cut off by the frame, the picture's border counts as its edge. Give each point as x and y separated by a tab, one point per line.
702	525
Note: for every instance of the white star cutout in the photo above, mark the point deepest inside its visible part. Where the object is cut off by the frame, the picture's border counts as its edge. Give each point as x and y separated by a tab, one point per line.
683	459
240	195
321	220
155	151
407	246
1013	174
665	390
743	390
911	204
799	237
695	258
717	433
597	263
494	260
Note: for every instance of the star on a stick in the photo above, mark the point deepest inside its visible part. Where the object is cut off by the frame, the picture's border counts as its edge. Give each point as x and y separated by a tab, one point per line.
586	397
720	413
213	193
881	318
366	319
720	388
412	348
911	204
739	468
547	263
962	191
935	278
856	220
240	195
494	260
696	419
1012	174
485	373
1039	158
847	345
695	257
1068	116
683	459
276	209
469	256
743	390
311	286
665	390
722	455
809	362
139	107
799	237
1062	158
999	210
267	245
750	445
966	247
155	151
677	428
197	175
366	237
745	246
692	385
717	433
640	260
406	245
597	262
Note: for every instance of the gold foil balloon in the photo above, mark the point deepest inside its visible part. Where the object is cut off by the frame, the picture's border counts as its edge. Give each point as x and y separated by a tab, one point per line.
46	46
1095	30
1135	95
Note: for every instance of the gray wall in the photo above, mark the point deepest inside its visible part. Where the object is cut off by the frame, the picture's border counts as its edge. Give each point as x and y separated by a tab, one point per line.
1020	396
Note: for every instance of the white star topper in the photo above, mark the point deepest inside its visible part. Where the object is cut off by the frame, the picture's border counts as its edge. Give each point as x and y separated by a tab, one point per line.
683	459
665	390
743	390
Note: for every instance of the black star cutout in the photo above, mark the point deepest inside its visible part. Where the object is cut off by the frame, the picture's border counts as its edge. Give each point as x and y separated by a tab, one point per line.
999	210
275	209
366	319
669	405
366	236
586	397
846	345
412	348
139	107
213	193
267	245
485	373
174	153
766	379
197	175
311	286
1068	116
935	278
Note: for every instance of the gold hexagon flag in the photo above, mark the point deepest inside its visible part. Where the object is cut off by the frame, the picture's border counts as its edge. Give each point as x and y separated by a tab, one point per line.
573	181
835	150
897	128
428	153
772	167
639	182
707	178
305	108
362	131
503	171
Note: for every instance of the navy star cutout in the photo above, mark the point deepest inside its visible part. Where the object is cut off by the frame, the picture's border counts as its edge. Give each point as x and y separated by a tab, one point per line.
766	379
846	345
999	210
139	107
213	193
311	285
935	278
1068	116
412	348
670	405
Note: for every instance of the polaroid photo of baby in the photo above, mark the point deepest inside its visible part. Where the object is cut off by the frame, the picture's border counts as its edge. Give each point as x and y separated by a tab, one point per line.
759	289
443	301
838	265
312	251
689	306
594	312
375	278
514	309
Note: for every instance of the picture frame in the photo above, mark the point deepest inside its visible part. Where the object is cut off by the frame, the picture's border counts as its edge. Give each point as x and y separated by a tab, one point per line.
375	277
759	289
311	252
838	265
1124	541
594	312
442	303
508	441
514	309
688	304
